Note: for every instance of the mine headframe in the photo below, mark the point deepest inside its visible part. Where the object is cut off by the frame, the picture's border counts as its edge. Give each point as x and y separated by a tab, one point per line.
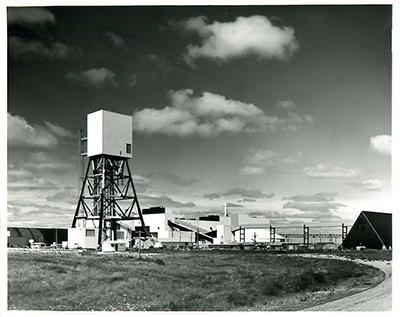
108	196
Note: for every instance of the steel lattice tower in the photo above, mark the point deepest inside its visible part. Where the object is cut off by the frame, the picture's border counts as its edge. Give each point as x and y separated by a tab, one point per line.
107	195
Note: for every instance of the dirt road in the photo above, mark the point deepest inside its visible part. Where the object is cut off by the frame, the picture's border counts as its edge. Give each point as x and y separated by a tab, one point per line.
378	298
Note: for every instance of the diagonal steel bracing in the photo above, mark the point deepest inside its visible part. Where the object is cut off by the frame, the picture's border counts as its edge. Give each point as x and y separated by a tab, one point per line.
108	194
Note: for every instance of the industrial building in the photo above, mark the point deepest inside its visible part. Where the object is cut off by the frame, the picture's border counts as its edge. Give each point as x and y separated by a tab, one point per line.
166	229
169	229
20	237
109	217
372	230
108	209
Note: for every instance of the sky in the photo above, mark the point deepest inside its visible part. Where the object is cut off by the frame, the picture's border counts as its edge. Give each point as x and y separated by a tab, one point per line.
283	112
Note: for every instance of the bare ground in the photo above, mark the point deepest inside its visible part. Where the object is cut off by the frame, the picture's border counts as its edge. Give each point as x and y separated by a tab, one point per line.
378	298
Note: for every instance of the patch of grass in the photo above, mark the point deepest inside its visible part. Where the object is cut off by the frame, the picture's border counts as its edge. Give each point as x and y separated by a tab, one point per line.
272	287
371	255
195	281
240	298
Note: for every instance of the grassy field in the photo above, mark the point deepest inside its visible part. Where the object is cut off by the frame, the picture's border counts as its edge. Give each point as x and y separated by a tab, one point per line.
195	281
370	255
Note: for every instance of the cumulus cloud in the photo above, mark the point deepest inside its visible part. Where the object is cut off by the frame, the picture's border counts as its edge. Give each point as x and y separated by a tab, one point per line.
319	197
232	205
286	105
319	205
247	200
27	16
132	81
40	164
241	192
369	185
314	206
294	158
210	114
58	131
65	195
166	201
55	50
328	171
207	115
258	161
139	179
212	196
296	118
38	213
114	38
254	35
23	179
171	178
381	144
96	77
20	133
263	157
40	161
253	170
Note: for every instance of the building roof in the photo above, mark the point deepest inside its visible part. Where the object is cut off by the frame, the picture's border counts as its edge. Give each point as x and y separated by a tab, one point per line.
372	230
153	210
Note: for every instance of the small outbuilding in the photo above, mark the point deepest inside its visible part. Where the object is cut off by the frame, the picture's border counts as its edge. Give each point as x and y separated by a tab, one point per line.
372	230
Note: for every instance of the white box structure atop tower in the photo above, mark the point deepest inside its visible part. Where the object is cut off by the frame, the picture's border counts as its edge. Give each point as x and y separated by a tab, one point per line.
109	133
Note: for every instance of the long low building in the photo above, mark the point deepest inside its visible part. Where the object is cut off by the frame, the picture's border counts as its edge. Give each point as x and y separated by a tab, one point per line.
20	236
371	230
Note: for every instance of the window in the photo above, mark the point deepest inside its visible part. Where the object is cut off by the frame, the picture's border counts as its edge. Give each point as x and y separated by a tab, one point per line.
90	232
128	148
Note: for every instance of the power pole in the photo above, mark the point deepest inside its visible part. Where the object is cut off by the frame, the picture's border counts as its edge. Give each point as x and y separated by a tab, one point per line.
140	242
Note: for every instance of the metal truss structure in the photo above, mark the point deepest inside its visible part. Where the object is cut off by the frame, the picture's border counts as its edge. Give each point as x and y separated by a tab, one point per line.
108	196
306	235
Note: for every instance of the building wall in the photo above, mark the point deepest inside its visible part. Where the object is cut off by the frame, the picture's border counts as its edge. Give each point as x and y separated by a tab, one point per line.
244	219
18	242
108	133
157	223
260	235
224	234
85	238
180	236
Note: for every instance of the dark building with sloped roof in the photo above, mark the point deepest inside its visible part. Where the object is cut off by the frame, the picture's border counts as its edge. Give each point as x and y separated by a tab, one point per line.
372	230
19	237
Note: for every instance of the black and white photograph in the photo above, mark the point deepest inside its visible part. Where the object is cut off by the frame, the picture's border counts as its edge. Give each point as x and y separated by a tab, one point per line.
198	158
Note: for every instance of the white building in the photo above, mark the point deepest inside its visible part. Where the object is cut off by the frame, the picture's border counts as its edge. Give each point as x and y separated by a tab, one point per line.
254	233
109	133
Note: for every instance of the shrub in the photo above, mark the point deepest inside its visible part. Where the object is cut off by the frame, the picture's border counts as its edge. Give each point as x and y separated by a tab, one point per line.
272	288
240	298
160	262
308	280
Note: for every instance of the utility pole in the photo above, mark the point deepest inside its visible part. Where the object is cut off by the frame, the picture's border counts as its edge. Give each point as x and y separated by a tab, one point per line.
344	232
140	243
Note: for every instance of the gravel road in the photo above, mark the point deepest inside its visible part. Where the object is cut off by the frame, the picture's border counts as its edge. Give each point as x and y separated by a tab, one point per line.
378	298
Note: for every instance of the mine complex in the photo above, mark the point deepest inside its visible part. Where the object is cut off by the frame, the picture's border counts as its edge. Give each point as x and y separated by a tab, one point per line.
109	217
